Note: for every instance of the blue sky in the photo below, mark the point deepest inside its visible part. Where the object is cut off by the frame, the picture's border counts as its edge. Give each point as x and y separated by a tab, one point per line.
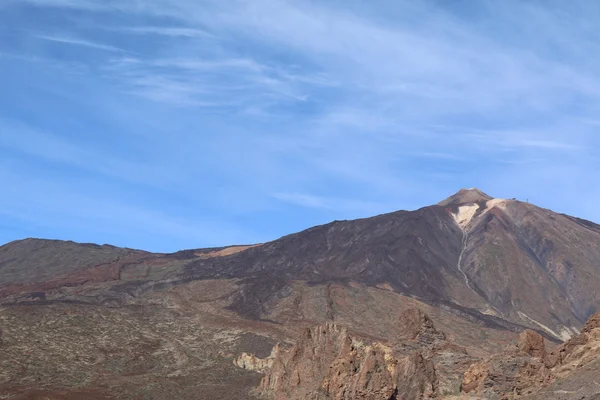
170	124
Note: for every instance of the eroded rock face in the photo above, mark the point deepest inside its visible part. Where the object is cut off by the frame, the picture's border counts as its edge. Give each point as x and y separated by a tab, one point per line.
327	362
528	367
577	351
532	343
253	363
362	373
417	377
414	324
518	371
474	377
592	323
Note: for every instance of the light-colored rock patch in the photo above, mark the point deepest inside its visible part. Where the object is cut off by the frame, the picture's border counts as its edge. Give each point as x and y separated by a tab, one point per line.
465	214
500	203
253	363
544	327
566	333
489	311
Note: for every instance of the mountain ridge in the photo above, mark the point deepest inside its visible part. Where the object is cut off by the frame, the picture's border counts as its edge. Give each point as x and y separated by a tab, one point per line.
484	269
439	248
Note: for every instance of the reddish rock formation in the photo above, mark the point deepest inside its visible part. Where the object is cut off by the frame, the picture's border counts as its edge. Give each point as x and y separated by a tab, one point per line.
532	343
527	368
417	378
414	324
579	349
329	363
592	323
517	371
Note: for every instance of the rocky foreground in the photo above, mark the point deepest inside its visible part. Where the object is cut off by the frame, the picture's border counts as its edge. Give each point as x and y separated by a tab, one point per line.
329	362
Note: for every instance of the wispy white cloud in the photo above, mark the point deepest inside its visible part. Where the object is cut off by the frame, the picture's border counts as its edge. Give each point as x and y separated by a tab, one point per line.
204	65
210	81
333	107
166	31
81	42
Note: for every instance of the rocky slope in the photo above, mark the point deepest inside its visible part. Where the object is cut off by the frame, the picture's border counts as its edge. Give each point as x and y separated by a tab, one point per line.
328	362
528	264
504	258
528	369
119	322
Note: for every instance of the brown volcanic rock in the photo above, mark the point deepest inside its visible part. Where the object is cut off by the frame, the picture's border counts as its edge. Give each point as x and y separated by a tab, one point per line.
506	377
532	343
329	363
361	376
96	274
579	350
534	266
501	258
528	368
475	377
36	260
412	252
592	324
466	196
417	378
517	371
414	324
34	266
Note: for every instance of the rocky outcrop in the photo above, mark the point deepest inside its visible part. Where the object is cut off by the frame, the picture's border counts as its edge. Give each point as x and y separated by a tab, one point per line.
592	324
253	363
577	351
518	371
506	377
328	362
414	324
527	367
532	343
417	378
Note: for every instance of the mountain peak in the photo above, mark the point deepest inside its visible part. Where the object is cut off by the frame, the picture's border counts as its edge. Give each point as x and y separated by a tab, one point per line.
466	196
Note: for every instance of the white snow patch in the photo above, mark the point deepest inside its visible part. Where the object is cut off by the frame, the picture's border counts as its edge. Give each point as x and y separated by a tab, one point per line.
544	327
465	214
